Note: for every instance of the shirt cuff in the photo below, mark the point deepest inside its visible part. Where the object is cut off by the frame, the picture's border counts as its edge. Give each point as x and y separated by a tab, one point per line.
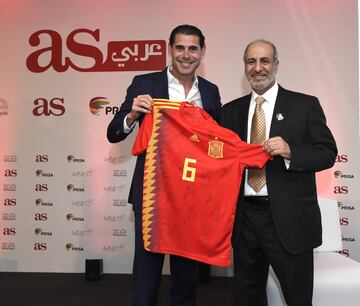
128	129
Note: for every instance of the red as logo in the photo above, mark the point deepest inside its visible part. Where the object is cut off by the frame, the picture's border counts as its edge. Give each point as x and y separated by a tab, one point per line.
9	202
41	187
41	158
54	107
41	217
40	246
9	231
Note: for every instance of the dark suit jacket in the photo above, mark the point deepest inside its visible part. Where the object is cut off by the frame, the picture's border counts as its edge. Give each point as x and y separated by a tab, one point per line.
156	85
292	192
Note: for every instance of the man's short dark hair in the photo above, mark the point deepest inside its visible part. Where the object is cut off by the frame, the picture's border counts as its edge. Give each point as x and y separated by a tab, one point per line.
187	29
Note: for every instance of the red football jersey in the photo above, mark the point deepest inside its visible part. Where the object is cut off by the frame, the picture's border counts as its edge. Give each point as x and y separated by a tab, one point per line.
193	170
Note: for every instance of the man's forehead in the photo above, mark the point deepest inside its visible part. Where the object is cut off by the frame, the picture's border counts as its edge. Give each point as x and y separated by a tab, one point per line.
259	52
260	48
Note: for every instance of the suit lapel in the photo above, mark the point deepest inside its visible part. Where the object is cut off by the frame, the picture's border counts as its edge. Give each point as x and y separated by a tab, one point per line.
280	111
243	120
162	90
205	97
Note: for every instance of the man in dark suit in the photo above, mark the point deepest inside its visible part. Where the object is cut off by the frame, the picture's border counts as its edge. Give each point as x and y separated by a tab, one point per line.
176	82
278	223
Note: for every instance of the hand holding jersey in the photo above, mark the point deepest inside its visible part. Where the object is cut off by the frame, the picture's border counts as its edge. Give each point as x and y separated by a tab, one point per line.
141	105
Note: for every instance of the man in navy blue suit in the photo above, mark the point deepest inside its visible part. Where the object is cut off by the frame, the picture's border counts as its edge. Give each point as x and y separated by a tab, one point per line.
177	82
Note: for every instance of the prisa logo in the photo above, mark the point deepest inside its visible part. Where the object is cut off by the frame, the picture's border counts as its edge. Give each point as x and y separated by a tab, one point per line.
339	174
3	107
137	55
96	104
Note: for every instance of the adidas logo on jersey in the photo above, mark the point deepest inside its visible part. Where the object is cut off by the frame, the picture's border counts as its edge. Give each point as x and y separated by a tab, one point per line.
195	138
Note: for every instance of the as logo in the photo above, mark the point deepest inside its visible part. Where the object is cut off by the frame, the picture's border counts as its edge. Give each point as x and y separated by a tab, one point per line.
41	158
41	217
341	158
138	55
341	190
10	173
40	246
55	50
44	107
41	187
7	231
9	202
344	221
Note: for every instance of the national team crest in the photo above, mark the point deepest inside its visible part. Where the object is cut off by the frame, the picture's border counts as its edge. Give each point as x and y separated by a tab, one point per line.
216	148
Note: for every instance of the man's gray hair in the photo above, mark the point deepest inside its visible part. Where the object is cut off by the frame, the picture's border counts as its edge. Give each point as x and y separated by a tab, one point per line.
275	51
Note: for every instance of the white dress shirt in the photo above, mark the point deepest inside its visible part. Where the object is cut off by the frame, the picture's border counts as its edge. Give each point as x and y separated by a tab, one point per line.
176	92
268	107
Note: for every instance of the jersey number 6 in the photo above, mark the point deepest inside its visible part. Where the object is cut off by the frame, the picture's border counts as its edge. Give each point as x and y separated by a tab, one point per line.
189	172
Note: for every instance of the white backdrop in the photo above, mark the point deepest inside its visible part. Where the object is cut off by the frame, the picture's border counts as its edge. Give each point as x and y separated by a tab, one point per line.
64	187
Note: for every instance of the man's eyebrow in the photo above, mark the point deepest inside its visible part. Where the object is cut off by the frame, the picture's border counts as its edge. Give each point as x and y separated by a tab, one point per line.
261	58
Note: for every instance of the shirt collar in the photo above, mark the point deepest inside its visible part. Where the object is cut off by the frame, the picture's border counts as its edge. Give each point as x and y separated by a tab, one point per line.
173	80
269	96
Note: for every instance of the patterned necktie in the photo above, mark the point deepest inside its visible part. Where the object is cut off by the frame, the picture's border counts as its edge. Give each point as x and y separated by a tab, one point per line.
256	177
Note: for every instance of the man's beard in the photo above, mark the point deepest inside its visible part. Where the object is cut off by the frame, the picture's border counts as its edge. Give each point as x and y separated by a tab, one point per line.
262	84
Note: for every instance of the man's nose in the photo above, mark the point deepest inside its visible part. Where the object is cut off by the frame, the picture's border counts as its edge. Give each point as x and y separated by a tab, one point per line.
186	53
258	66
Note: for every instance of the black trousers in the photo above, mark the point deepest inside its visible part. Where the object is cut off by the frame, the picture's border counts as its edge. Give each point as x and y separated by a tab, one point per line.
147	270
258	247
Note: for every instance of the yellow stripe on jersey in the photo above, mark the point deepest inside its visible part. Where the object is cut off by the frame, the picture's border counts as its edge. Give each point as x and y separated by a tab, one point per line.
150	169
150	182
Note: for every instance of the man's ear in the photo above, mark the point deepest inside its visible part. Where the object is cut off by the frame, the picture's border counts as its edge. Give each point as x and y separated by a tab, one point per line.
203	51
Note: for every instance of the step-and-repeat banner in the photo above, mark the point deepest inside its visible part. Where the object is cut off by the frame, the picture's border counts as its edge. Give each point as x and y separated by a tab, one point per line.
64	70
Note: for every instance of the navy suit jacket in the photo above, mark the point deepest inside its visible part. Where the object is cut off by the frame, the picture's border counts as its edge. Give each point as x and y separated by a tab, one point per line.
300	121
156	85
